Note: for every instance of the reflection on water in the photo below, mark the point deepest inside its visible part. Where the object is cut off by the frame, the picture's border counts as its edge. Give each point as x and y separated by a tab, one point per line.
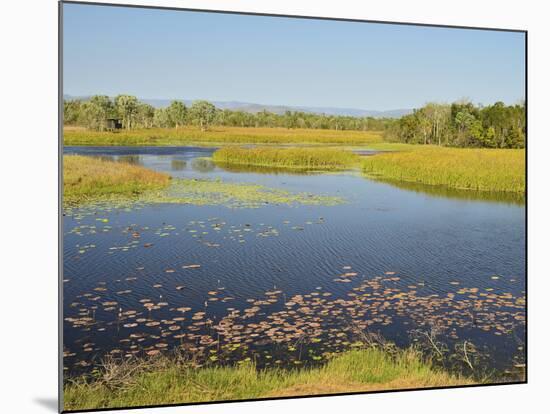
177	164
130	159
236	168
442	191
203	165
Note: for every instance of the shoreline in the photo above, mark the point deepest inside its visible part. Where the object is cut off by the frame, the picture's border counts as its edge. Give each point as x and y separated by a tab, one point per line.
178	380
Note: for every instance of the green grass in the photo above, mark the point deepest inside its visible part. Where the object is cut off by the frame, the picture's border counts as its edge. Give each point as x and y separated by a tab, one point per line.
87	178
164	382
478	169
218	135
294	158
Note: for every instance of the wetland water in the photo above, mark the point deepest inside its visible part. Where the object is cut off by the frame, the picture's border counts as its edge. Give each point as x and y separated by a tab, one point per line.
289	284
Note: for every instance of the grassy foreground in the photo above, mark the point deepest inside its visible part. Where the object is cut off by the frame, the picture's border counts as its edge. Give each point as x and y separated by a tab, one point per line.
165	382
218	135
295	158
87	178
461	168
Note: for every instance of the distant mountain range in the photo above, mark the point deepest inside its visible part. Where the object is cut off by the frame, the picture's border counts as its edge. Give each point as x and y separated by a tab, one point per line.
278	109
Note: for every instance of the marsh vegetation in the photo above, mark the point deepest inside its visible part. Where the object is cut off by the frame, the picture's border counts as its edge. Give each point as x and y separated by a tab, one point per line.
86	178
292	158
460	168
218	135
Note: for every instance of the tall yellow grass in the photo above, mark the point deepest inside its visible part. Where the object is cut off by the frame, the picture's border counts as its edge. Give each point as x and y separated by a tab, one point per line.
295	158
218	135
462	168
88	177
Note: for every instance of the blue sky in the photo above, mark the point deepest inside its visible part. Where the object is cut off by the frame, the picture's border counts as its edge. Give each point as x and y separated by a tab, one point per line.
193	55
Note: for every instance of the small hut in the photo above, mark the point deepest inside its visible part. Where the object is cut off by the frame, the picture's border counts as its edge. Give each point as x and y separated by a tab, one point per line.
113	123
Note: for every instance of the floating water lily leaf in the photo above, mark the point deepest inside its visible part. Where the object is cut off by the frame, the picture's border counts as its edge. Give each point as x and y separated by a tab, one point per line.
191	266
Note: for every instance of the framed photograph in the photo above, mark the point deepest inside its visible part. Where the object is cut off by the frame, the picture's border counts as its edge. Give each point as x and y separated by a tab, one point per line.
265	206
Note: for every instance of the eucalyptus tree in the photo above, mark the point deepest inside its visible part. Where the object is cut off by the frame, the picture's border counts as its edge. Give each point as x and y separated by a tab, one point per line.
72	110
96	111
463	121
438	116
144	115
422	126
160	118
127	108
177	113
264	118
203	113
408	128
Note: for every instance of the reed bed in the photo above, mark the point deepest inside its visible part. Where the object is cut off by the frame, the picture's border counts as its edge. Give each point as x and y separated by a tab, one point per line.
165	381
86	178
498	170
293	158
218	135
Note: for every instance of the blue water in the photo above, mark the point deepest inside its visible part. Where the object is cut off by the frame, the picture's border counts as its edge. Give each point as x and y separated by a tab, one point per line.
428	241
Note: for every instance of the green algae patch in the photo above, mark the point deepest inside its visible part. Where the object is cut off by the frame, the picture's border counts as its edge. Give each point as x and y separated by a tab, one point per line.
236	195
207	192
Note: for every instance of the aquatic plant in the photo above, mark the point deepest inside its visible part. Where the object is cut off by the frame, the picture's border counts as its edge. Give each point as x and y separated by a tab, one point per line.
461	168
218	192
294	158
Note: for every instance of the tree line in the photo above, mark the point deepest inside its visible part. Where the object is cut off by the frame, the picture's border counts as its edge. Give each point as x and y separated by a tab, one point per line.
460	124
95	112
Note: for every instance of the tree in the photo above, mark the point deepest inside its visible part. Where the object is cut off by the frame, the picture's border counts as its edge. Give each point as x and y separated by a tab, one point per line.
144	115
203	113
127	108
177	113
160	118
424	124
463	121
71	112
408	128
96	111
490	138
515	138
438	116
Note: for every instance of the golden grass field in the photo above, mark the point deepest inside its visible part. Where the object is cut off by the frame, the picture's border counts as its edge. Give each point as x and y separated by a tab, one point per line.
218	135
87	177
295	158
461	168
